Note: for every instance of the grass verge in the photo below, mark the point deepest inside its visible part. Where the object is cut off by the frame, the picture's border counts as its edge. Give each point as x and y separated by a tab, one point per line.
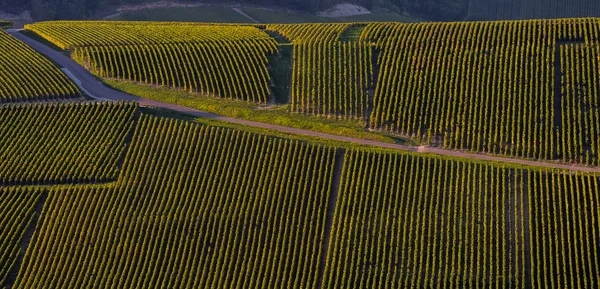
161	112
272	114
338	144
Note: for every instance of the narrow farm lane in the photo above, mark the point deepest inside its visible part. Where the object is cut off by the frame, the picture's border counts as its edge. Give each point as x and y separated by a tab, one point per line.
91	85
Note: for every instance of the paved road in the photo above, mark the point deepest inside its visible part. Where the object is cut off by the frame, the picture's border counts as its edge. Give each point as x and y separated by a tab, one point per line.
96	89
240	11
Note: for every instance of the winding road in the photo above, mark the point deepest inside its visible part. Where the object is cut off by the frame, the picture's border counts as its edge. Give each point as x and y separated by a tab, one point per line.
90	85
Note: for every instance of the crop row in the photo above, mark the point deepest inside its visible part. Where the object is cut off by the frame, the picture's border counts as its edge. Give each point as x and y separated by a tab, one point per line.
332	79
201	206
218	60
405	221
195	207
17	215
72	34
26	75
310	33
227	69
505	95
63	143
501	87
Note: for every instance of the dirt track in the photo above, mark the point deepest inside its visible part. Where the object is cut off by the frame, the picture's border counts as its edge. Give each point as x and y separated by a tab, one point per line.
96	89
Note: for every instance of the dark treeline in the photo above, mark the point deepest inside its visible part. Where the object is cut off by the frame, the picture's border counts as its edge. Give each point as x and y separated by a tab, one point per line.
79	9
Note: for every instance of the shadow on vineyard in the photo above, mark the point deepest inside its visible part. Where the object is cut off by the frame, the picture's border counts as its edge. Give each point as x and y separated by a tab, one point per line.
26	240
129	136
338	168
280	69
352	33
372	88
558	76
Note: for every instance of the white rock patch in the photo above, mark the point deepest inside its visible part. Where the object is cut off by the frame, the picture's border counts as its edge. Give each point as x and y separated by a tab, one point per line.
344	10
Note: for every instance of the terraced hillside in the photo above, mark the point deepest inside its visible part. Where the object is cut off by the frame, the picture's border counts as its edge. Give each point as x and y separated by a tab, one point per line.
407	221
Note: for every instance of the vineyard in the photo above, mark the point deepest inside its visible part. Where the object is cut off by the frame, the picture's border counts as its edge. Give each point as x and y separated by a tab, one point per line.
4	24
506	95
17	215
224	61
63	143
406	221
198	206
26	76
332	79
195	207
73	34
111	195
310	33
232	70
527	91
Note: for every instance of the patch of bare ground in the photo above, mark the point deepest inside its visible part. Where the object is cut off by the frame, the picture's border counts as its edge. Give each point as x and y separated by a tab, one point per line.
331	202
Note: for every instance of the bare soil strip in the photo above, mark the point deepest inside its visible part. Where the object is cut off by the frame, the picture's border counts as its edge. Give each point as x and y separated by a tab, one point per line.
331	202
25	241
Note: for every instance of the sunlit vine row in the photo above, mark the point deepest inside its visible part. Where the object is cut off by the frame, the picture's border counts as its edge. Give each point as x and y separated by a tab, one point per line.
442	84
332	79
73	34
25	75
303	33
63	143
405	221
195	207
228	69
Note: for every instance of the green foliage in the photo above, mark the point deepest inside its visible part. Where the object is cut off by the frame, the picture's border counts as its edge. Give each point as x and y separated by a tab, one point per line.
17	216
404	220
224	61
199	206
436	83
274	114
309	33
234	70
25	75
63	143
195	207
490	86
332	79
76	34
